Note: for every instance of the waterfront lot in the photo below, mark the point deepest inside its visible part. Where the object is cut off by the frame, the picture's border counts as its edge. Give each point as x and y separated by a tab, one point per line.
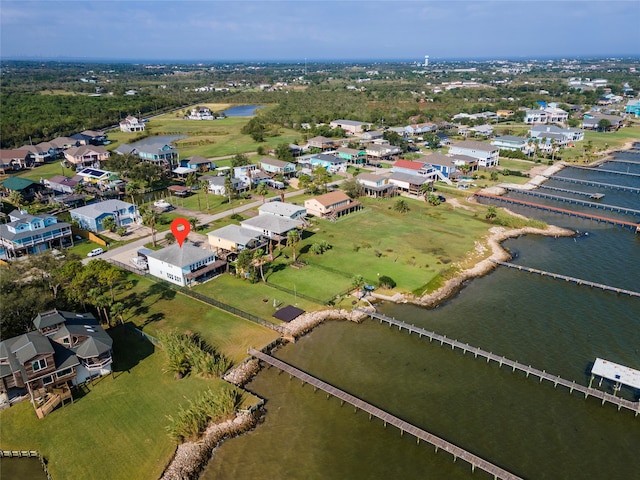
133	404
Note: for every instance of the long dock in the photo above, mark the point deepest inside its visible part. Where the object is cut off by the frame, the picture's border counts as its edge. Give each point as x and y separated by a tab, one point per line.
588	216
387	418
567	278
583	203
610	186
502	361
603	170
567	190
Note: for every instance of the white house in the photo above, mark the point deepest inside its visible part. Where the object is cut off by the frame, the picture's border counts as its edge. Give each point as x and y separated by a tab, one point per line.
184	264
131	124
351	127
200	113
282	209
375	185
486	154
511	142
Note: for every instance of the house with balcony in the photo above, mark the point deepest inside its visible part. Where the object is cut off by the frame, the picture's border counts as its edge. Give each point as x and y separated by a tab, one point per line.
91	217
535	116
15	160
62	184
331	205
273	227
560	136
230	240
25	234
486	154
591	121
444	166
90	137
376	186
353	156
28	189
65	349
330	162
86	156
184	265
200	113
512	143
273	166
377	151
633	108
131	124
218	184
197	164
323	143
411	184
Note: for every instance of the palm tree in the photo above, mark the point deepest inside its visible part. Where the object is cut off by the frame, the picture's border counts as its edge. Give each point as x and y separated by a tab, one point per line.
293	237
16	198
492	212
149	218
262	190
401	206
193	221
132	189
258	258
204	186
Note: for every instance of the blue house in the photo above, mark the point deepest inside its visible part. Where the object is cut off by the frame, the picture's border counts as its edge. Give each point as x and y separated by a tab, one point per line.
197	164
441	163
330	162
26	234
91	217
633	107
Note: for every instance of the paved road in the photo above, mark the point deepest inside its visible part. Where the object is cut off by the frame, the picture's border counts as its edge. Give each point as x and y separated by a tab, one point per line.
124	253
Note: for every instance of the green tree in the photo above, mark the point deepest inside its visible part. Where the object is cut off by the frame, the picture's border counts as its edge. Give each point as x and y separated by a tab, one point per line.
293	237
109	223
352	187
193	221
262	190
259	260
320	178
121	231
492	213
150	218
204	186
243	262
16	199
604	125
401	206
283	152
132	189
169	238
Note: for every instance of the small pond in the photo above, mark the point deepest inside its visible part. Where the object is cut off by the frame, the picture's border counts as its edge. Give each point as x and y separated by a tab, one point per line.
242	111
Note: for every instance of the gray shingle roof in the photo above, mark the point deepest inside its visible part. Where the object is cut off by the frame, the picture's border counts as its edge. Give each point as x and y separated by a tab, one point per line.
94	210
272	223
181	257
236	234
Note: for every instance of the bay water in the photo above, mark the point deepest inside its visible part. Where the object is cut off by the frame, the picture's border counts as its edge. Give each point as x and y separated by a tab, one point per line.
528	427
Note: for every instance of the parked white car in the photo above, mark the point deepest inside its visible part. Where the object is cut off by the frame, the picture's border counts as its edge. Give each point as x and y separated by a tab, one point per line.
95	252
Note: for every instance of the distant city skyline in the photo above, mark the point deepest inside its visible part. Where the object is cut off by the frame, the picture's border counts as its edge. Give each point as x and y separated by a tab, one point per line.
272	30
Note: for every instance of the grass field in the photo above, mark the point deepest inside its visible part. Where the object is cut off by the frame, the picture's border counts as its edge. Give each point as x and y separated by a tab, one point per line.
132	406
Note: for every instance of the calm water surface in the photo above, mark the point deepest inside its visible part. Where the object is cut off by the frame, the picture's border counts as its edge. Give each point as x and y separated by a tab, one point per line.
242	111
527	427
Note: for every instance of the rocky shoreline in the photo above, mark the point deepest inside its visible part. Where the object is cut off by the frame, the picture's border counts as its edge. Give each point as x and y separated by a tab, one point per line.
191	457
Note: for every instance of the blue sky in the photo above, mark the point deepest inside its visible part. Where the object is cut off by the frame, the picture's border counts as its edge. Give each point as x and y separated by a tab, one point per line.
212	30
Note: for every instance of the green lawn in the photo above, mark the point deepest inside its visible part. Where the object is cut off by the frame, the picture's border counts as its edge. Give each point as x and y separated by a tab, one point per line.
117	429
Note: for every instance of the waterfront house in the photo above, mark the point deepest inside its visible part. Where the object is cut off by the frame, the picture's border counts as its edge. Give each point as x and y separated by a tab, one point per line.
331	205
90	137
183	265
592	120
91	217
445	166
274	166
409	183
65	349
217	184
86	155
200	113
486	154
414	167
131	124
161	154
376	186
26	234
561	136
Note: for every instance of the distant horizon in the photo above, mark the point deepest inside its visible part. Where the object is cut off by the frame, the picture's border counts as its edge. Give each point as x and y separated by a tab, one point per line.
418	61
321	31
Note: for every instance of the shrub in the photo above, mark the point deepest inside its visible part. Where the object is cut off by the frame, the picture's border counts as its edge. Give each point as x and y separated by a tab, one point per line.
189	353
386	282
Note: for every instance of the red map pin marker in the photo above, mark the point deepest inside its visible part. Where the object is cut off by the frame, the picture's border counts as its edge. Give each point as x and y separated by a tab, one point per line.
180	228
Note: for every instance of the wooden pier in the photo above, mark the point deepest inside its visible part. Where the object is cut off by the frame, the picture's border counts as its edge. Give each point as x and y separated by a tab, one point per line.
387	418
583	203
588	216
594	196
566	278
528	370
610	186
603	170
